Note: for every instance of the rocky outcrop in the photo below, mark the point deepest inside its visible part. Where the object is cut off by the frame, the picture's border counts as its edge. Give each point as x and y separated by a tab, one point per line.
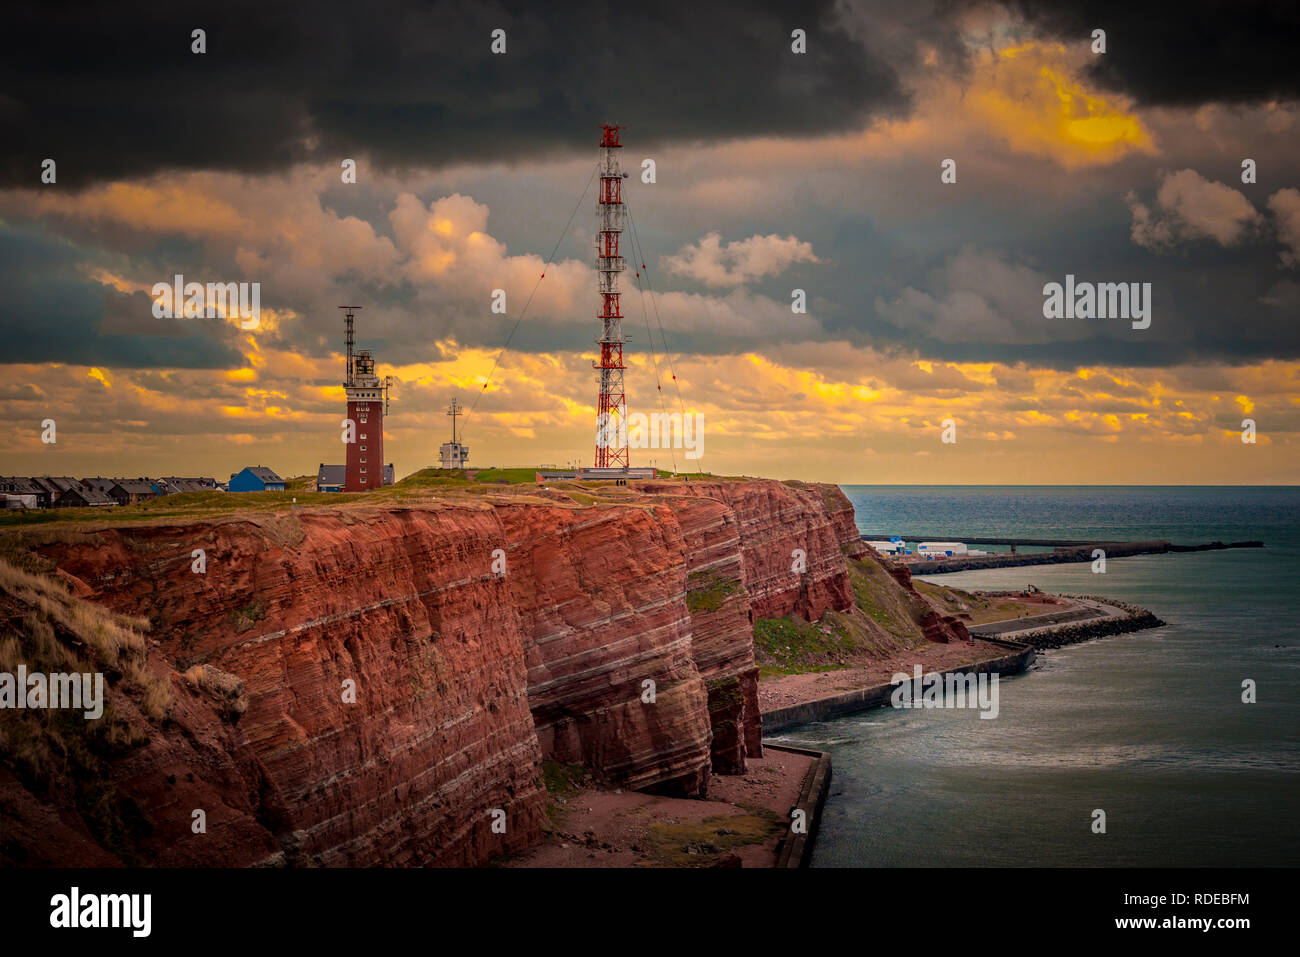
381	684
943	628
937	627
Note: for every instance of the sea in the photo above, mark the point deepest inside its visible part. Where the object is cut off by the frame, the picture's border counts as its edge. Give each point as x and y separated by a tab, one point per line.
1149	728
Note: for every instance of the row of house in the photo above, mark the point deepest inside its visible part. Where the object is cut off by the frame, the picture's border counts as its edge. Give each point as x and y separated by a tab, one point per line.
64	491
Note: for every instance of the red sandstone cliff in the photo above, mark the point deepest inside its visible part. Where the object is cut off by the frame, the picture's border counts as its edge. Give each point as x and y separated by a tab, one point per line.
618	637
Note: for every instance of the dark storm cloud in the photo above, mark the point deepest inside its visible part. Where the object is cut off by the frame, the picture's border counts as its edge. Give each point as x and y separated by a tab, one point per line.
113	91
53	313
1184	53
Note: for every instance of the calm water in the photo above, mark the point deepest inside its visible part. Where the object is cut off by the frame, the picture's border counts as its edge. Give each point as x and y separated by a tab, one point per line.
1148	727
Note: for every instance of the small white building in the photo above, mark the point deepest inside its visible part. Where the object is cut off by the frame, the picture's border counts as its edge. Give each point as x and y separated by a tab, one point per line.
453	455
892	547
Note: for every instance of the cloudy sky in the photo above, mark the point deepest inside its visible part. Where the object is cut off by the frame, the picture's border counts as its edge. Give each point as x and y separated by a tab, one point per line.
775	171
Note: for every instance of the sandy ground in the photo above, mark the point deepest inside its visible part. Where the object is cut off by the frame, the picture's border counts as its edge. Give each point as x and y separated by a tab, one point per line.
595	828
781	691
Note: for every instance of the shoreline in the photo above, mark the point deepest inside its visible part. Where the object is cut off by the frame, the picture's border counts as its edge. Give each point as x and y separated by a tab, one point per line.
1009	656
1013	657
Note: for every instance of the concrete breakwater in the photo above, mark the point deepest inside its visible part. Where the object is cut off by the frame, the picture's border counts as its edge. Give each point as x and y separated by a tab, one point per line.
1062	555
1058	636
796	846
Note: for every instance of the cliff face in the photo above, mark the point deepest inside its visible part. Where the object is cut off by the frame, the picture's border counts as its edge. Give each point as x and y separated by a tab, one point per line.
399	692
755	550
383	665
777	522
611	681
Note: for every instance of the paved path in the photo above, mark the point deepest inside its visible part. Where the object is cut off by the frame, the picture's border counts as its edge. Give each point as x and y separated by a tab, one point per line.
1089	611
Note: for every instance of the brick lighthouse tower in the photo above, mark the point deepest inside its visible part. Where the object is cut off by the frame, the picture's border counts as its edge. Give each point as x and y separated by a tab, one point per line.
367	403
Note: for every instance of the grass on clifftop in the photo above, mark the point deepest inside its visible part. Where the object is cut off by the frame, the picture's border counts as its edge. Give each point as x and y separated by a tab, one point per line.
298	492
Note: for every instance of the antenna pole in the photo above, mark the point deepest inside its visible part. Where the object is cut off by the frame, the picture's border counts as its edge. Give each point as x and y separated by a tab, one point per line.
454	410
349	318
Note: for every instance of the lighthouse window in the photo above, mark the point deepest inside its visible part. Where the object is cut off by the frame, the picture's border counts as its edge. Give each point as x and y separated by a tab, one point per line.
363	418
363	435
363	448
363	468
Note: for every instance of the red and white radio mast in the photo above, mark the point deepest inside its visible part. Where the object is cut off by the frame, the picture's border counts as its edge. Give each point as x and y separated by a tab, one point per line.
611	405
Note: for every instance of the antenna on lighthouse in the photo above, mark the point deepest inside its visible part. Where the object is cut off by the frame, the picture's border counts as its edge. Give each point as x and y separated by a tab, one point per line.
349	318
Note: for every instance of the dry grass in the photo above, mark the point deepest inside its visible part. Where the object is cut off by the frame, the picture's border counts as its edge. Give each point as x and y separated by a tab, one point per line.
112	636
58	754
115	642
702	843
976	609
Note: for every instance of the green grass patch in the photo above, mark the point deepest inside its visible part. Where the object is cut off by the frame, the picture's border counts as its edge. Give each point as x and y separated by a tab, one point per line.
707	590
563	780
701	843
431	478
792	646
242	619
507	476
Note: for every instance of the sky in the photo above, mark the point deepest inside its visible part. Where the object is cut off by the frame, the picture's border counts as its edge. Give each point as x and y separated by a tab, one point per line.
774	171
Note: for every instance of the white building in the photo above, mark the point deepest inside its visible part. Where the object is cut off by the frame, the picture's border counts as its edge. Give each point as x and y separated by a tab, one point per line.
892	547
947	549
453	455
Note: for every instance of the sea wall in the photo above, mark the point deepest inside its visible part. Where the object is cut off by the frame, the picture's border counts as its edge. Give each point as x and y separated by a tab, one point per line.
1015	661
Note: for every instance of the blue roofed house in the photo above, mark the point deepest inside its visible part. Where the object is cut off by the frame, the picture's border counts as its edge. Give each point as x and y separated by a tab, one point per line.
330	478
256	478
